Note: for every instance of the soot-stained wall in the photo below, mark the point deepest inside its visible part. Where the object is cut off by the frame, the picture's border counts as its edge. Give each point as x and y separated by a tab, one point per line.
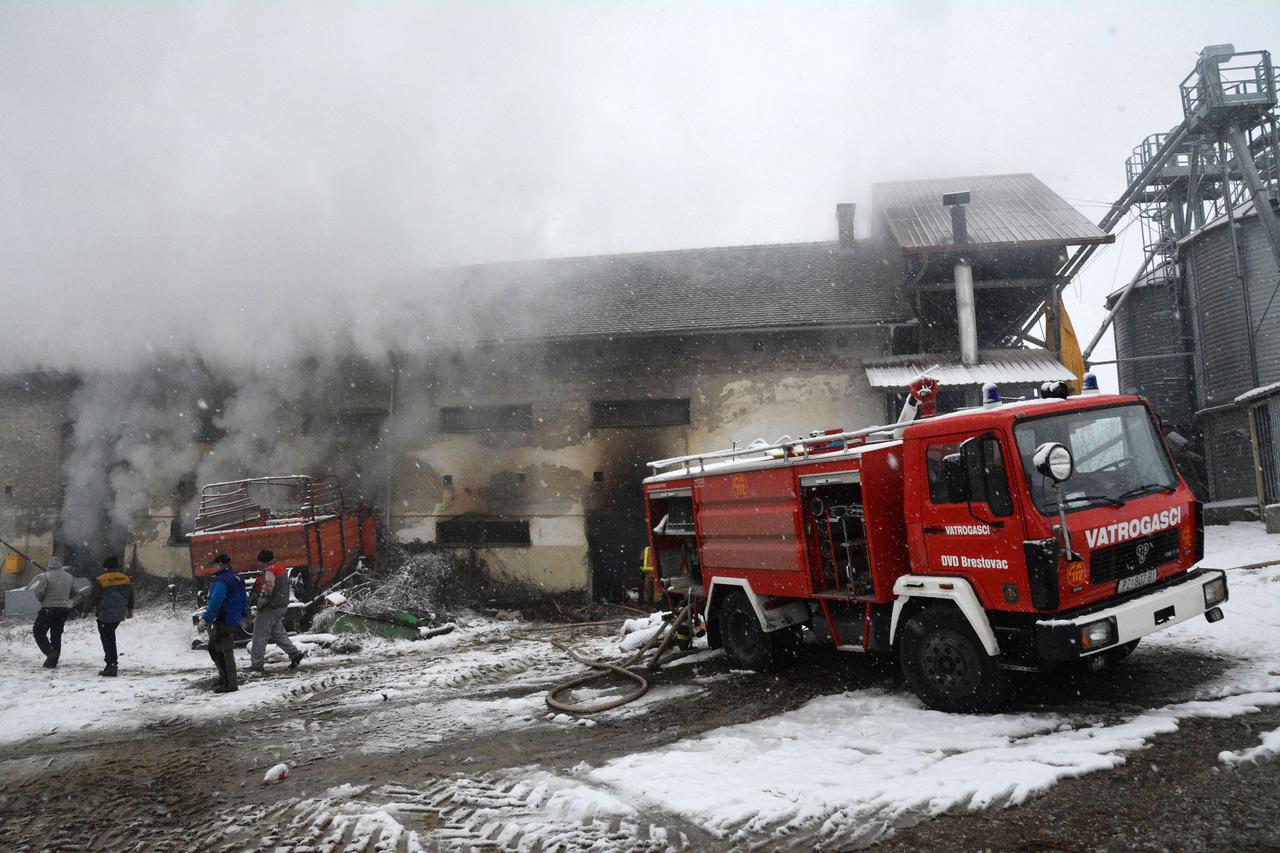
382	428
34	412
578	484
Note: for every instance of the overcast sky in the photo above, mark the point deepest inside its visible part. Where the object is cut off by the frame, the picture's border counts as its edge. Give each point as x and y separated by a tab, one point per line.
213	175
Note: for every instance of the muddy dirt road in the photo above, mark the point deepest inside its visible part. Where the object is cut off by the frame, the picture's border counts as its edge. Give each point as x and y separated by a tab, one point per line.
453	748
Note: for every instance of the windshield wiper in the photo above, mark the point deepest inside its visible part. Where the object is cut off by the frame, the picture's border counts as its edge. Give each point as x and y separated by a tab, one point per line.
1101	498
1142	490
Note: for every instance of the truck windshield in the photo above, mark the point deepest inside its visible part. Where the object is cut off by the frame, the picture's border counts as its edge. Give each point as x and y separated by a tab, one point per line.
1118	456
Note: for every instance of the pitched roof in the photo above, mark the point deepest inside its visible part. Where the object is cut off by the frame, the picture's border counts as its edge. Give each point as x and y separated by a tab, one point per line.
1006	211
695	290
1014	366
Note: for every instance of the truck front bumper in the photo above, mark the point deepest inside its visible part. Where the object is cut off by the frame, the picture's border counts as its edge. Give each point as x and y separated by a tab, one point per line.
1060	638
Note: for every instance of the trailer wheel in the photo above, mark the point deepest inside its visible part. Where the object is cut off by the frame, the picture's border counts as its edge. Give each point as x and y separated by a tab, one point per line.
946	665
745	642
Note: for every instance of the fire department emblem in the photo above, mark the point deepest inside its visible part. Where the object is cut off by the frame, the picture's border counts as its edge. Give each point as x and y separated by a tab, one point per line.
1076	574
1143	549
738	482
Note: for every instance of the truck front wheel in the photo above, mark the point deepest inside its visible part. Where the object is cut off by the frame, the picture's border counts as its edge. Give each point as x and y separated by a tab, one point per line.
746	643
946	665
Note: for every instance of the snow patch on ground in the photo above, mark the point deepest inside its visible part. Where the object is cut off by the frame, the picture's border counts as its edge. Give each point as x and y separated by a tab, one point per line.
1268	746
161	677
1244	543
846	770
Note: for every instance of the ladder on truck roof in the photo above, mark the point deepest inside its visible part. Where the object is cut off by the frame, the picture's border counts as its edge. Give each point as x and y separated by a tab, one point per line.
230	503
793	448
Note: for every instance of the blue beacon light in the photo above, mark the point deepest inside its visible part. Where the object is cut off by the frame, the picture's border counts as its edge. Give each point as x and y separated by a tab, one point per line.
990	395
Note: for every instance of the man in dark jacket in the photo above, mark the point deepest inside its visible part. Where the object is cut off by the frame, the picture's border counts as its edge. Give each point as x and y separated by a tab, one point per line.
110	598
222	617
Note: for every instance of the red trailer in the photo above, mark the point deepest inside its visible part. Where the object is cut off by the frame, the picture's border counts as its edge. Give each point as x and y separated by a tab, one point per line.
1008	537
304	520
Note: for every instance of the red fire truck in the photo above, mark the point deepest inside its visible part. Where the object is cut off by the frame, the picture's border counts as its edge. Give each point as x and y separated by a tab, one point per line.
305	521
1013	536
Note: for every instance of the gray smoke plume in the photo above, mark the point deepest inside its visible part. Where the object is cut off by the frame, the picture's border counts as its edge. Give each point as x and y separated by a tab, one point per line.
236	185
133	440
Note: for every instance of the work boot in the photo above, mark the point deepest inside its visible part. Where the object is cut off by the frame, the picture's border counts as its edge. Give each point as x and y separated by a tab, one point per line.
222	688
50	662
109	671
294	660
258	667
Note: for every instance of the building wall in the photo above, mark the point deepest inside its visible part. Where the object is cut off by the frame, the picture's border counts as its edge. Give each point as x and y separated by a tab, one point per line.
581	483
576	485
33	411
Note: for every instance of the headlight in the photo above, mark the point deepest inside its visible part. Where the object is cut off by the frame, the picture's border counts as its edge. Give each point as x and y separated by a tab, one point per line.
1053	461
1095	635
1215	591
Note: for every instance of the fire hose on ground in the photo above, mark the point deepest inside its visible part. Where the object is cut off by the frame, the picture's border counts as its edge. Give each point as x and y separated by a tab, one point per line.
666	633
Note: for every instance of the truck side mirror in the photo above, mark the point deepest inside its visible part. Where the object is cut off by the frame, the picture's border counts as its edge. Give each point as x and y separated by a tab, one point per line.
985	475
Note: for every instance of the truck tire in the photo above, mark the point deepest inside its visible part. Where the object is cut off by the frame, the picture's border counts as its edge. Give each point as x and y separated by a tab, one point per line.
746	643
946	666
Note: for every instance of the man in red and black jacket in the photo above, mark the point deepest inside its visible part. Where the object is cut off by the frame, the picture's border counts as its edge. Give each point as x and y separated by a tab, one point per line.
273	602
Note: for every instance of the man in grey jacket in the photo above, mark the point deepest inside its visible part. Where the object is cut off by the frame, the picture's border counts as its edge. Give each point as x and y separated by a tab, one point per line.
54	588
273	603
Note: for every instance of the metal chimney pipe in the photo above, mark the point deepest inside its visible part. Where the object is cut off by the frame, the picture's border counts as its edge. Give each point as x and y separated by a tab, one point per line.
966	315
844	225
966	312
959	225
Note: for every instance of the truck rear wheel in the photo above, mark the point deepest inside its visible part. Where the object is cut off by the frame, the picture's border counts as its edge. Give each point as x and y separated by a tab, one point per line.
946	665
747	643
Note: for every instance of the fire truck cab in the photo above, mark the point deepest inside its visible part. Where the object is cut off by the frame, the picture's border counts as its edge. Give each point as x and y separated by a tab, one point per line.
1019	536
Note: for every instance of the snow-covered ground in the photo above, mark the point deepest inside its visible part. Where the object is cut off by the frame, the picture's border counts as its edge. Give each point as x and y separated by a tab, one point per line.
839	771
161	677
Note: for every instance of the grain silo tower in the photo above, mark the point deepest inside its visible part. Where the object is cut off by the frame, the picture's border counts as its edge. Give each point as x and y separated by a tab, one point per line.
1198	327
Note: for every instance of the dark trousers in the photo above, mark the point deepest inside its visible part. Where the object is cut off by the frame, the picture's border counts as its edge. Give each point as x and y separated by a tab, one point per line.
107	631
48	630
222	650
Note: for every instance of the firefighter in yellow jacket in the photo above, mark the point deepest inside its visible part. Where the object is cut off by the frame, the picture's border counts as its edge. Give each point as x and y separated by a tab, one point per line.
647	577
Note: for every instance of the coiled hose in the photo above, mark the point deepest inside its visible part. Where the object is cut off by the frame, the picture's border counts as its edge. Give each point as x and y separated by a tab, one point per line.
667	634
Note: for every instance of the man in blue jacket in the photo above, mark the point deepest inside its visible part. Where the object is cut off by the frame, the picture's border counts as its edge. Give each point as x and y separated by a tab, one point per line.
228	600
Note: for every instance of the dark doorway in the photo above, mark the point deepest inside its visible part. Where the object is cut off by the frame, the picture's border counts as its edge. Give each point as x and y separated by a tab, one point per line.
616	539
616	528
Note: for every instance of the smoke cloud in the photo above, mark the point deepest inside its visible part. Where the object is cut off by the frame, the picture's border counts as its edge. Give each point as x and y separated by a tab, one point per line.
239	182
248	188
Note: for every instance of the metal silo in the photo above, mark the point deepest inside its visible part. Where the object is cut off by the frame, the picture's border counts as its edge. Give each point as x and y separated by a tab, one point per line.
1151	345
1233	285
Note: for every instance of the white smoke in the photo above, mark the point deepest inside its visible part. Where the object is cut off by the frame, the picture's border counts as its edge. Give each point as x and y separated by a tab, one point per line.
133	440
234	185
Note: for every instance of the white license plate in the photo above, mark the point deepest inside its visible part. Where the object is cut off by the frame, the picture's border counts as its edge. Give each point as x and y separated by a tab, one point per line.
1131	583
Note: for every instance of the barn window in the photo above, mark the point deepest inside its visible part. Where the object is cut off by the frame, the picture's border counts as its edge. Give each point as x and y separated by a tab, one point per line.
478	532
357	423
639	413
208	430
486	418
